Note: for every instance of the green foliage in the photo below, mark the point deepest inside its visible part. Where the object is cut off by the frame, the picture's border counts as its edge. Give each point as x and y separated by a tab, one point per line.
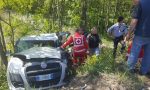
3	80
100	13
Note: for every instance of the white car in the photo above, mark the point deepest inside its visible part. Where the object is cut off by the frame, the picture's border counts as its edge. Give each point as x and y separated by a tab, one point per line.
37	63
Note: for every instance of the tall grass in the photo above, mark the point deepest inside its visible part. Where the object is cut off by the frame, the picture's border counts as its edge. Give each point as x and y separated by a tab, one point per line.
106	64
95	65
3	79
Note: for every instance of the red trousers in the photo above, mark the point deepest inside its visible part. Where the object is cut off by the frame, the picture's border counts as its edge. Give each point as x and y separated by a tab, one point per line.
79	57
141	54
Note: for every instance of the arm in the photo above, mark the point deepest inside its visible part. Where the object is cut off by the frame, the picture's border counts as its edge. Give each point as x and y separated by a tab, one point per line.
136	14
109	31
99	39
132	26
85	43
68	42
87	39
131	29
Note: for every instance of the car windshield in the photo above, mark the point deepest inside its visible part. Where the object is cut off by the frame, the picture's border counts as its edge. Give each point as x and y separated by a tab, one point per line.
27	44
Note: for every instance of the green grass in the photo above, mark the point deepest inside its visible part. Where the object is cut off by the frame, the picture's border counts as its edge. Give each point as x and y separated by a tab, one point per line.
105	64
94	64
3	80
107	41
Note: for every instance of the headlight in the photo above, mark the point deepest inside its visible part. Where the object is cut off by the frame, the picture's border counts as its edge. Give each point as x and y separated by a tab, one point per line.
16	80
15	65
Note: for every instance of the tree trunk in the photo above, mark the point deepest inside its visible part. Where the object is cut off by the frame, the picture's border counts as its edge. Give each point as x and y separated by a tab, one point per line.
53	13
83	22
3	47
115	10
12	32
61	13
2	37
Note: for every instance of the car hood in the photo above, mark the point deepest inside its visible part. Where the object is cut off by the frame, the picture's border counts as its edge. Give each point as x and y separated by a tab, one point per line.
40	52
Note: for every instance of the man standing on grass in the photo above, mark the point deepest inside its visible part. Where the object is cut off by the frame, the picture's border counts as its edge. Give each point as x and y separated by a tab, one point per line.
140	25
118	31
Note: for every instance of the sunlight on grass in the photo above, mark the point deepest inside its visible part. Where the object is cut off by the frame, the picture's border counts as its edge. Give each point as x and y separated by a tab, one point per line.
107	42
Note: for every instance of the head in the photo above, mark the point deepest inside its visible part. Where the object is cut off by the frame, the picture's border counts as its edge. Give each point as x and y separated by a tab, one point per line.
94	30
120	19
135	2
80	30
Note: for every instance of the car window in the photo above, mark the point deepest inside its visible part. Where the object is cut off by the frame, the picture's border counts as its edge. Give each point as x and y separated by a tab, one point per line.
27	44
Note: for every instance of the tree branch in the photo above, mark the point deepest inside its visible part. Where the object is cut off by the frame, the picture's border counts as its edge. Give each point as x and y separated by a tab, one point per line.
4	21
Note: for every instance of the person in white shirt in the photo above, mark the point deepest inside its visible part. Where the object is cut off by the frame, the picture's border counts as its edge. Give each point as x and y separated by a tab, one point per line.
118	32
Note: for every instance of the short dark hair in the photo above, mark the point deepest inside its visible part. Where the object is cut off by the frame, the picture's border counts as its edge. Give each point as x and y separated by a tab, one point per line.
80	28
77	30
120	18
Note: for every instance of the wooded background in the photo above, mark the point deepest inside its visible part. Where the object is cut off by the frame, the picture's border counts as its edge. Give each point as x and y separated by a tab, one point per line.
25	17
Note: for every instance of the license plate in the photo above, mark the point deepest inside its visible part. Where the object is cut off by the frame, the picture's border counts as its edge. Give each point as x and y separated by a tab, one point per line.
44	77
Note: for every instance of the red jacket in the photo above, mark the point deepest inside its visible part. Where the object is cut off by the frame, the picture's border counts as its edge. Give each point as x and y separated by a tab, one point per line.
79	43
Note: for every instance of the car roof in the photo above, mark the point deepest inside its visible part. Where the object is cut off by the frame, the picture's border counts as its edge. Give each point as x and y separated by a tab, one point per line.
51	36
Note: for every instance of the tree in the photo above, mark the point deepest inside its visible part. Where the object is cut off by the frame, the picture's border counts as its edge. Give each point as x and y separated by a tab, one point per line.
84	13
3	47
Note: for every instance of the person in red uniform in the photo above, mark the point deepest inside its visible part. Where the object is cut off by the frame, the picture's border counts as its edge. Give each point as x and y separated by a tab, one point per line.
80	46
141	54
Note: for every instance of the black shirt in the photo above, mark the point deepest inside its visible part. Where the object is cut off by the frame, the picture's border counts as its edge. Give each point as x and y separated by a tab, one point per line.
93	40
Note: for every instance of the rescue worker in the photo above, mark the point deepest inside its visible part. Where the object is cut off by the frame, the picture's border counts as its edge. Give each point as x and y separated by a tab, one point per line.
80	46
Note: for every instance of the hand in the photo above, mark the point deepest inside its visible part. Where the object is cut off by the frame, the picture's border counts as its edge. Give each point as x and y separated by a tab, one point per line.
128	36
88	52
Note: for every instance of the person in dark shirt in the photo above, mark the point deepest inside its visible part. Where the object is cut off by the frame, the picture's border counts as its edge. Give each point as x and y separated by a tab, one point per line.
140	26
93	41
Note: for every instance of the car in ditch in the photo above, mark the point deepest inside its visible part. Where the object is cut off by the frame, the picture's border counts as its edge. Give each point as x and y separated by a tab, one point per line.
37	64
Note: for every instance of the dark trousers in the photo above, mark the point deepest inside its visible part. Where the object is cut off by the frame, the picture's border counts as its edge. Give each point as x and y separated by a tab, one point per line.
116	41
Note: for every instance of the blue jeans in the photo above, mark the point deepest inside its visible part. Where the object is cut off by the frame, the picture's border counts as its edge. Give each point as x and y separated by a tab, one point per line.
95	51
138	42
